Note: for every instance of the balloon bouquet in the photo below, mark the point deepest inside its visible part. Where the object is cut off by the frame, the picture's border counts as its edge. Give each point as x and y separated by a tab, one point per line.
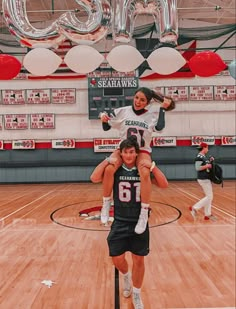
102	17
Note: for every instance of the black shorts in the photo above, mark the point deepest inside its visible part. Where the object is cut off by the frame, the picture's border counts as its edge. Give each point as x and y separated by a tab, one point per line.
122	238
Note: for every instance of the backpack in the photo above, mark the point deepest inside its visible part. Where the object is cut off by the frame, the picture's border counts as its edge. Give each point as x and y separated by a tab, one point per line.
216	174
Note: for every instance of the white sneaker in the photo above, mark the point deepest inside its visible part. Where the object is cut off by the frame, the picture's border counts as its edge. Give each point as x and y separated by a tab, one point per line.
105	213
127	286
142	222
137	301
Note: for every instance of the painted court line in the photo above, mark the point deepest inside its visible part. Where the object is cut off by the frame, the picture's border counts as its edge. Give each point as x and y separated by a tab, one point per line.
26	205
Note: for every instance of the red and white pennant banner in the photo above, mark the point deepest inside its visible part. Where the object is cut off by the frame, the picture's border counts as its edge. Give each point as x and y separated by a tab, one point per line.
197	140
228	140
164	141
105	145
23	144
63	143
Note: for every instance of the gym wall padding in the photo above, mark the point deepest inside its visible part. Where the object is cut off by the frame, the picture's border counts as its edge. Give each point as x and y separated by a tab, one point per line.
76	165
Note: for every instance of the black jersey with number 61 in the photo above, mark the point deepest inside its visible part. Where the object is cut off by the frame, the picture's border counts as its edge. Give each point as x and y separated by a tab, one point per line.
126	194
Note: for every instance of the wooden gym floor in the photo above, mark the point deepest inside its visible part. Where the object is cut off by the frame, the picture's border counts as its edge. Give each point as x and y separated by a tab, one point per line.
43	237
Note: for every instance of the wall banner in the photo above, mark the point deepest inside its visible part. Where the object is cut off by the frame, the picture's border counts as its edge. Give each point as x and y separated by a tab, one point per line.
197	140
23	144
64	96
42	121
38	96
178	93
225	93
228	140
201	93
105	145
16	122
63	143
164	141
11	97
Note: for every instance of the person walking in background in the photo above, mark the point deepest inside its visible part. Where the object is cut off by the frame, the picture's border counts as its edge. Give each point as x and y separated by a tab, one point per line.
139	121
127	205
203	166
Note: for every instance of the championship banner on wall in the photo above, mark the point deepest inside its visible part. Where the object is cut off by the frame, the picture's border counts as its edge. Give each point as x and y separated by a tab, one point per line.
225	93
201	93
63	143
178	93
164	141
1	122
13	97
228	140
105	145
16	122
23	144
1	145
64	96
38	96
197	140
42	121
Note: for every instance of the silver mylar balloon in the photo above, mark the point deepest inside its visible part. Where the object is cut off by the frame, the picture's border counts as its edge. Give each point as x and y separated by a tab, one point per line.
123	20
94	29
168	21
15	16
164	13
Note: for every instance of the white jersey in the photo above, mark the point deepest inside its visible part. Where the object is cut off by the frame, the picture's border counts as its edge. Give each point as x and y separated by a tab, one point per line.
128	123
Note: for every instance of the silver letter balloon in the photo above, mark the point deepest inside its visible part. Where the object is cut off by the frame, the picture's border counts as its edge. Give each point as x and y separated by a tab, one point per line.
118	18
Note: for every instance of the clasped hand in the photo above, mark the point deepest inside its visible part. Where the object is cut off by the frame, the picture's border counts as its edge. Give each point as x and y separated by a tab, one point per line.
104	117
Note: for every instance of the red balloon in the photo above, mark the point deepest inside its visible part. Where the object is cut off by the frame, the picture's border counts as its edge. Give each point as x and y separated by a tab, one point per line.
9	67
206	64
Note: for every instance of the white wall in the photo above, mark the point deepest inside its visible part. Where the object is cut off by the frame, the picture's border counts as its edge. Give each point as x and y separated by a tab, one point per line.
189	118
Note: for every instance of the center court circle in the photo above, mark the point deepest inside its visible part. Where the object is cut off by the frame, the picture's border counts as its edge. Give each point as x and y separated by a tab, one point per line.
84	216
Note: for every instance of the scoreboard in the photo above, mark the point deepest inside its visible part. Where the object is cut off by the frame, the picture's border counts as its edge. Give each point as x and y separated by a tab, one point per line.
110	89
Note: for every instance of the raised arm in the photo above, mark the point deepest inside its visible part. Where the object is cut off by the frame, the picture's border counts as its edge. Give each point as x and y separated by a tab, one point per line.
159	178
161	120
105	118
167	104
97	174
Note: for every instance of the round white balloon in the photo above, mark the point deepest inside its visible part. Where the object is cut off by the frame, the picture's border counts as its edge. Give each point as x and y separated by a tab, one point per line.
83	59
41	62
124	58
166	60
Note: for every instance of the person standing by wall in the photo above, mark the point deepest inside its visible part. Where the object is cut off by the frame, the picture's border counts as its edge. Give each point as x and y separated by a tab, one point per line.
203	166
127	205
